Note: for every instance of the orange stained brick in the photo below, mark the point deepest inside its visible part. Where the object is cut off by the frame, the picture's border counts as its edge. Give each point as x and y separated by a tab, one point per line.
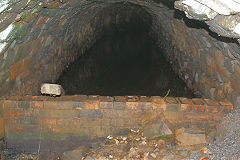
228	108
14	113
91	105
217	117
214	110
25	74
50	121
199	116
132	105
202	108
19	129
196	52
18	67
38	64
209	69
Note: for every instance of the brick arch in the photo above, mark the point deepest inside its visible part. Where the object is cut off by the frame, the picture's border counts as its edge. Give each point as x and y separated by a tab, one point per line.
56	36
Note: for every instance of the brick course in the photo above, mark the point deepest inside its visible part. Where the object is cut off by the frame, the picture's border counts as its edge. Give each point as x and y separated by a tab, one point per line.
96	116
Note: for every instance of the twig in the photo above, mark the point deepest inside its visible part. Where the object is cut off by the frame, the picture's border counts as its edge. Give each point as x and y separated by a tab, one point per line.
39	144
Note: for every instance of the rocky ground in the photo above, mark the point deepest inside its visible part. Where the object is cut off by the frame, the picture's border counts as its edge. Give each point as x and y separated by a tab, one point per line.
227	144
154	140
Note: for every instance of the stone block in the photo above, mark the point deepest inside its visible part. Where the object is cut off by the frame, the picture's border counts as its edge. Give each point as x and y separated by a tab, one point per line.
106	99
119	105
171	100
183	100
211	102
158	103
91	104
174	116
198	116
106	105
132	105
45	113
90	113
157	127
145	105
188	137
52	89
172	107
9	104
198	101
132	98
58	105
36	104
77	105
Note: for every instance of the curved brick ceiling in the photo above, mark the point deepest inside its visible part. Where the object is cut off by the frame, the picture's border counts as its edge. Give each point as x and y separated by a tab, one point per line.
40	38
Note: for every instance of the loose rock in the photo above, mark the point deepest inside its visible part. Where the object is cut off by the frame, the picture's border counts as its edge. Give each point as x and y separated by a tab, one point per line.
52	89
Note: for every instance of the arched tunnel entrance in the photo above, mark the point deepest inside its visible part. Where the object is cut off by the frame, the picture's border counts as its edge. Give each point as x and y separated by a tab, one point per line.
117	62
126	60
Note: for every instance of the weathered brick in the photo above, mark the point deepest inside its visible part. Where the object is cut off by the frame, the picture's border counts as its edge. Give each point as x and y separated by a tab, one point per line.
172	107
211	102
9	104
227	109
91	104
171	100
185	100
132	98
106	99
107	105
214	109
57	105
158	103
198	101
119	99
145	99
45	113
23	104
17	112
145	105
77	105
174	116
119	105
132	105
197	116
110	113
36	104
90	113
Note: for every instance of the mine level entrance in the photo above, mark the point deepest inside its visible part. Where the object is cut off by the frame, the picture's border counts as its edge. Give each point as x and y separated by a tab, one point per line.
124	61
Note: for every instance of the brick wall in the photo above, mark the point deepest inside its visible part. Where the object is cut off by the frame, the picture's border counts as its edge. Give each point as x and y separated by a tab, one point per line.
61	123
42	43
